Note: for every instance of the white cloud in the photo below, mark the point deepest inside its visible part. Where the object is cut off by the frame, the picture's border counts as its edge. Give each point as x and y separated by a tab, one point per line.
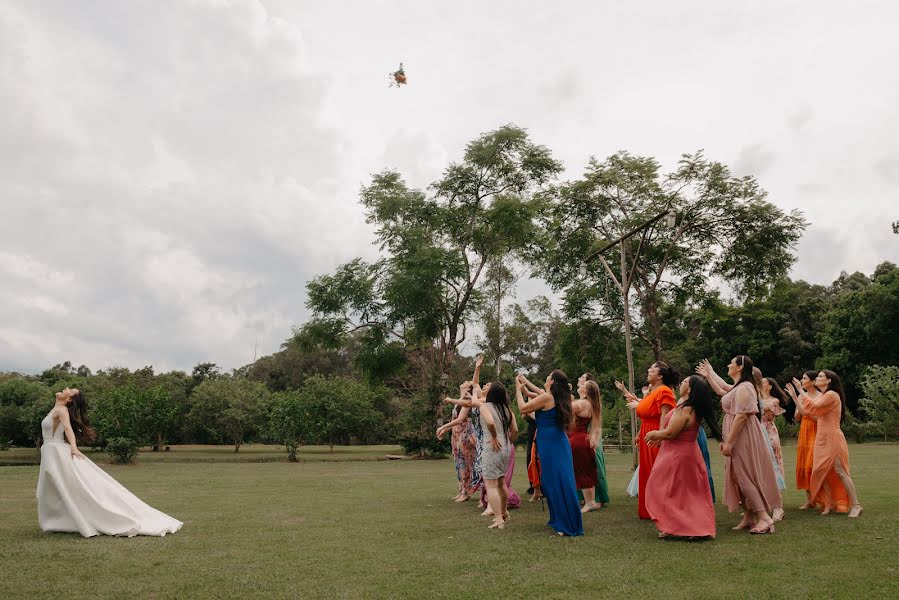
172	173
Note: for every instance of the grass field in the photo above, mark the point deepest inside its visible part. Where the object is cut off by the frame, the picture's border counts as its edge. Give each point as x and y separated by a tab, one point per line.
387	530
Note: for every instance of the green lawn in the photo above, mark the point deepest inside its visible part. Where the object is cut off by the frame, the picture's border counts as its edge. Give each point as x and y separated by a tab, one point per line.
387	530
250	453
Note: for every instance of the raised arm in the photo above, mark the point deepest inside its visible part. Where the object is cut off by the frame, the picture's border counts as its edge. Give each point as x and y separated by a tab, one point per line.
718	384
461	418
535	404
478	362
530	386
823	404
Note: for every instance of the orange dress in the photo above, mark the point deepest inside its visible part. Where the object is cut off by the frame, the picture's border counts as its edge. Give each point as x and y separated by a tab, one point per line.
805	451
825	485
650	412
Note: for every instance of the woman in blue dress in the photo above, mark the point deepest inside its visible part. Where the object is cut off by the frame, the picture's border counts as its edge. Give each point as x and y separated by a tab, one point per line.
552	411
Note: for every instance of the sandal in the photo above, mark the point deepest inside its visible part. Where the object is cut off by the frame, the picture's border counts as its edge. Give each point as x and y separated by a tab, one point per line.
853	514
759	530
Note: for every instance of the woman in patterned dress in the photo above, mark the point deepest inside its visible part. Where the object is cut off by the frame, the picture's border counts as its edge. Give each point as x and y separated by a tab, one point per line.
464	443
773	398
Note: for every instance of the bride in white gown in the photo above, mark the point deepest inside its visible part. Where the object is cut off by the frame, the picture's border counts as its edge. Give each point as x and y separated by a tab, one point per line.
74	494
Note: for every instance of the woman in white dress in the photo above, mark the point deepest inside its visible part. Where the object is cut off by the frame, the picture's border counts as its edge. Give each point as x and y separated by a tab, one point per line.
74	494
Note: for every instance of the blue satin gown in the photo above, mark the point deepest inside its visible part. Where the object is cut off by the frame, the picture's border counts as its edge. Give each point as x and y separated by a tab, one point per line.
557	475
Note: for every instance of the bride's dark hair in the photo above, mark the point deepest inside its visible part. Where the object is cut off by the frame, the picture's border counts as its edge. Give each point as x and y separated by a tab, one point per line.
77	407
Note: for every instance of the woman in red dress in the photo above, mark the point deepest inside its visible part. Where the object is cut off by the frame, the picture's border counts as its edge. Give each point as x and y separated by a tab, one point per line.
678	496
661	380
583	437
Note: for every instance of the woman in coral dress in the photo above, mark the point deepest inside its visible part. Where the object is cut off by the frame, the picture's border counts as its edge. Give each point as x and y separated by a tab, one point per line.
678	496
808	428
830	485
651	409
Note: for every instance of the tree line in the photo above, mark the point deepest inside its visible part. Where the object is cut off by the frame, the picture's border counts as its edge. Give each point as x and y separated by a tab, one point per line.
383	345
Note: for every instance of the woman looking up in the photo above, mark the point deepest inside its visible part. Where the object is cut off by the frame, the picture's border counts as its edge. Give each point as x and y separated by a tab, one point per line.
660	379
830	484
584	437
552	411
749	479
677	493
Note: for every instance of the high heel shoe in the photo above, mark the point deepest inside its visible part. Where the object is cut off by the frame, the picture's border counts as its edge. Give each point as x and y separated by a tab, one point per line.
853	514
768	529
743	525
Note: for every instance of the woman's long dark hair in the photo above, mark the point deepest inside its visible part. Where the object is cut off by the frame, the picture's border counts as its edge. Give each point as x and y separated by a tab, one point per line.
561	392
77	408
777	392
748	374
669	375
497	396
836	385
702	400
595	400
811	374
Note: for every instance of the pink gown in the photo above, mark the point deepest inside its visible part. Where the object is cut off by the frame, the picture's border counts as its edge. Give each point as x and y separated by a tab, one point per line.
749	479
678	497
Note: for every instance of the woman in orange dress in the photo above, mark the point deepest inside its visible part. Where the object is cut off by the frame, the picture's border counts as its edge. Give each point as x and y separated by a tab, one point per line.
651	410
808	428
830	484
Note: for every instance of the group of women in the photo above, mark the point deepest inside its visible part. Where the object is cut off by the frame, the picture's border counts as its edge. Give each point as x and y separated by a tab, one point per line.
675	488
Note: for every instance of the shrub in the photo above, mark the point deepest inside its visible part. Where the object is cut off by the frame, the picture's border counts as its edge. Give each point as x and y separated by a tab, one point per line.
425	444
122	449
860	431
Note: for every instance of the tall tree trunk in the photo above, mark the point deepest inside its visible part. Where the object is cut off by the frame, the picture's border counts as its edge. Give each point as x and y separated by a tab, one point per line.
499	328
628	346
651	313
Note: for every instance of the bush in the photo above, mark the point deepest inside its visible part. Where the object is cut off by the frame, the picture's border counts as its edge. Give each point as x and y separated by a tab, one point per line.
5	443
860	431
122	449
880	386
425	444
287	421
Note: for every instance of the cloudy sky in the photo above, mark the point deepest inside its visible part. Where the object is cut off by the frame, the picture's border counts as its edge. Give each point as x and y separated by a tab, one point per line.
173	173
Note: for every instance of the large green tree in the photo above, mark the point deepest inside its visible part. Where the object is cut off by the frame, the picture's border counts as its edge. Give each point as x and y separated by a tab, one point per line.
861	327
427	291
230	409
724	229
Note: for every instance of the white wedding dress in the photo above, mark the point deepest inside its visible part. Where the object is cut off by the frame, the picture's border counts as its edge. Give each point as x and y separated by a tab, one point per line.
74	494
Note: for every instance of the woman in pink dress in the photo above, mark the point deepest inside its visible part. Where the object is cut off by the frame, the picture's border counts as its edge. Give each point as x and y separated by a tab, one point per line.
750	483
678	496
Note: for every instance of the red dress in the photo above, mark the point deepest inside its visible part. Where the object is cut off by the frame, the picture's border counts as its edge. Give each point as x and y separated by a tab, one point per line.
650	413
678	496
583	456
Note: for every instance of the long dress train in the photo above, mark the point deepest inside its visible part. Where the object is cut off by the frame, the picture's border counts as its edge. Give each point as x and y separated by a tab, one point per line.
75	495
